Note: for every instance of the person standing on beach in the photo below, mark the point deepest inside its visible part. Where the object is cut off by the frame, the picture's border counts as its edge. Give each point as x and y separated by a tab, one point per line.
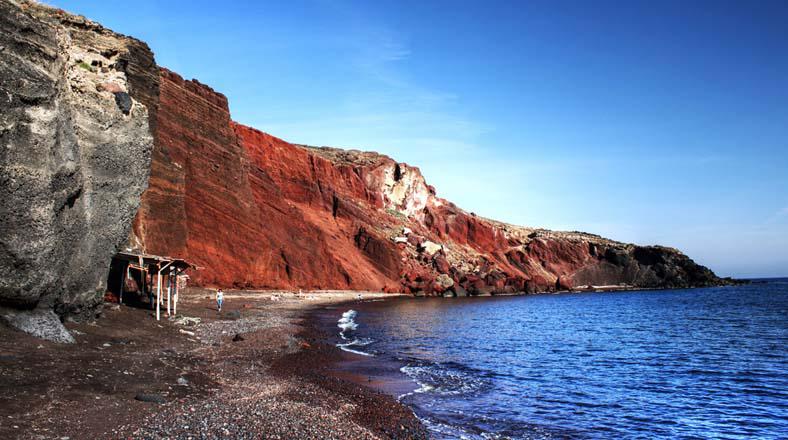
219	299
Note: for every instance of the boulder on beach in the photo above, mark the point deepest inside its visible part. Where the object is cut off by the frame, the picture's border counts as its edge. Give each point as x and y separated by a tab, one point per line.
150	397
41	323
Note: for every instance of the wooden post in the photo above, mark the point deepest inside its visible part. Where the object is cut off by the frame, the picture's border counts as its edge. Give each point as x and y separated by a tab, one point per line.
175	294
169	288
158	296
158	291
123	284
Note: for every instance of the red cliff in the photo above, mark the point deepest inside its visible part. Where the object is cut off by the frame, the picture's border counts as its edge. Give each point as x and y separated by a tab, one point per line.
258	212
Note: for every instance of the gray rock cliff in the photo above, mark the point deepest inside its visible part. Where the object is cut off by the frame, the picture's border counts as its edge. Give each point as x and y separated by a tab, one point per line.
75	147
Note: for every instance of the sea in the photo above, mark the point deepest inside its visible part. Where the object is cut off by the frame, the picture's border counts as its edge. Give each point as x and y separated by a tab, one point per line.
690	363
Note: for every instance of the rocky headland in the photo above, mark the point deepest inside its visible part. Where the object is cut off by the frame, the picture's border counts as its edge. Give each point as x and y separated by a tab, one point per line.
77	106
104	150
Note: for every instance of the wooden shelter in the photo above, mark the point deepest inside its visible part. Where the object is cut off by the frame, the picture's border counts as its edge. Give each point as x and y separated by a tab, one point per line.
162	271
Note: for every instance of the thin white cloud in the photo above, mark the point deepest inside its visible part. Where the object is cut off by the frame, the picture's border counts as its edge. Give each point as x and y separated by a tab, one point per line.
388	110
780	216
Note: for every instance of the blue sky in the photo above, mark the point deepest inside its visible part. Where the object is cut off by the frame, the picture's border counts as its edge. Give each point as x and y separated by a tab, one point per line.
649	122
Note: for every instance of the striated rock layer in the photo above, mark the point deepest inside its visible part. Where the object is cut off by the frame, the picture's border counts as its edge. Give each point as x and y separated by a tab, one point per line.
75	146
258	212
242	204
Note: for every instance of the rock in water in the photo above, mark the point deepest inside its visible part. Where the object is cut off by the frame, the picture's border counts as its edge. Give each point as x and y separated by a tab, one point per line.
73	166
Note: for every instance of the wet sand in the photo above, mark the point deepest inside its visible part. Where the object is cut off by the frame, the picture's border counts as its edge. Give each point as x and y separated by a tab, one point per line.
377	372
257	370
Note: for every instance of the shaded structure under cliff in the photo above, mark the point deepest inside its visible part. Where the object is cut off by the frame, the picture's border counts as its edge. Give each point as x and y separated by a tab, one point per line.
154	279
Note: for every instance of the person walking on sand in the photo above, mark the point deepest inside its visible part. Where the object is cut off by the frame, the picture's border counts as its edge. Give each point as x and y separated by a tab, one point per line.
219	299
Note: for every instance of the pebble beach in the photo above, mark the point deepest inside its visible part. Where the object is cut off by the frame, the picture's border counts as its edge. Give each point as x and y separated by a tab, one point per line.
259	369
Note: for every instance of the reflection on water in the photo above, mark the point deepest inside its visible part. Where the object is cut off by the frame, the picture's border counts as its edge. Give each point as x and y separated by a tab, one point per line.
705	362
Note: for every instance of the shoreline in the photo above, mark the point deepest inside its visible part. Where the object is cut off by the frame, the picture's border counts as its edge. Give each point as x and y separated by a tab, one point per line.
259	367
379	410
280	375
365	369
384	375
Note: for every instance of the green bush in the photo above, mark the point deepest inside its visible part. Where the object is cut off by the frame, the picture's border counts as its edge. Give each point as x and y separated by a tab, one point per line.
396	213
85	66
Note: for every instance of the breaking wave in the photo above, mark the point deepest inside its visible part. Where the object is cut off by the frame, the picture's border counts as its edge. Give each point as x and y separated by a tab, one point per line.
445	379
347	324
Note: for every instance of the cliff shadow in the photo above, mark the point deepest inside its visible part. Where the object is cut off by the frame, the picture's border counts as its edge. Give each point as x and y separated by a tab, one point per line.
129	285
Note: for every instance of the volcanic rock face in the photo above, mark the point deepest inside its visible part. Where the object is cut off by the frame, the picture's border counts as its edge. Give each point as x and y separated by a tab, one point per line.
258	212
82	107
245	205
73	162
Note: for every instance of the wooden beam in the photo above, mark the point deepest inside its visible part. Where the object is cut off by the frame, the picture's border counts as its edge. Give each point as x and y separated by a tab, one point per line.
158	294
169	289
175	294
123	283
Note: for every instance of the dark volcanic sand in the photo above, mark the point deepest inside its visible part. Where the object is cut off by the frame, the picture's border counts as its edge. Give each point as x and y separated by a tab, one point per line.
377	372
377	410
272	384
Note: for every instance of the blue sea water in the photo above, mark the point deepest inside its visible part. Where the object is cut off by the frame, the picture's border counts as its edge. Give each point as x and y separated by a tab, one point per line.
698	363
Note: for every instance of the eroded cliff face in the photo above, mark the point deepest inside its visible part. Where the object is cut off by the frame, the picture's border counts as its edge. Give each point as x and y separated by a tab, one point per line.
75	146
258	212
244	205
442	249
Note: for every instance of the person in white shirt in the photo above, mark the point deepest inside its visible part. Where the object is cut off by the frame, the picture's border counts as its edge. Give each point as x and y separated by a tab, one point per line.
219	299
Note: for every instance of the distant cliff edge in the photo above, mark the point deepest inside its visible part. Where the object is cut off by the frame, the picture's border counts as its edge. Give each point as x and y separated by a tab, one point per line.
103	150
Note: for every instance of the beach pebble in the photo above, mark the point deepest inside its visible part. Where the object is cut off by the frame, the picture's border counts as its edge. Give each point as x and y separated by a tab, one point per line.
153	398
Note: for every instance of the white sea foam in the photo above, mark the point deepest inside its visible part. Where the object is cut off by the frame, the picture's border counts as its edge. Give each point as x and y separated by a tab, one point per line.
442	379
344	347
346	324
360	342
444	430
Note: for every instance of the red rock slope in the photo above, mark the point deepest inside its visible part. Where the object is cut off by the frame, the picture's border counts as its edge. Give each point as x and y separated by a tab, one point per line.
258	212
